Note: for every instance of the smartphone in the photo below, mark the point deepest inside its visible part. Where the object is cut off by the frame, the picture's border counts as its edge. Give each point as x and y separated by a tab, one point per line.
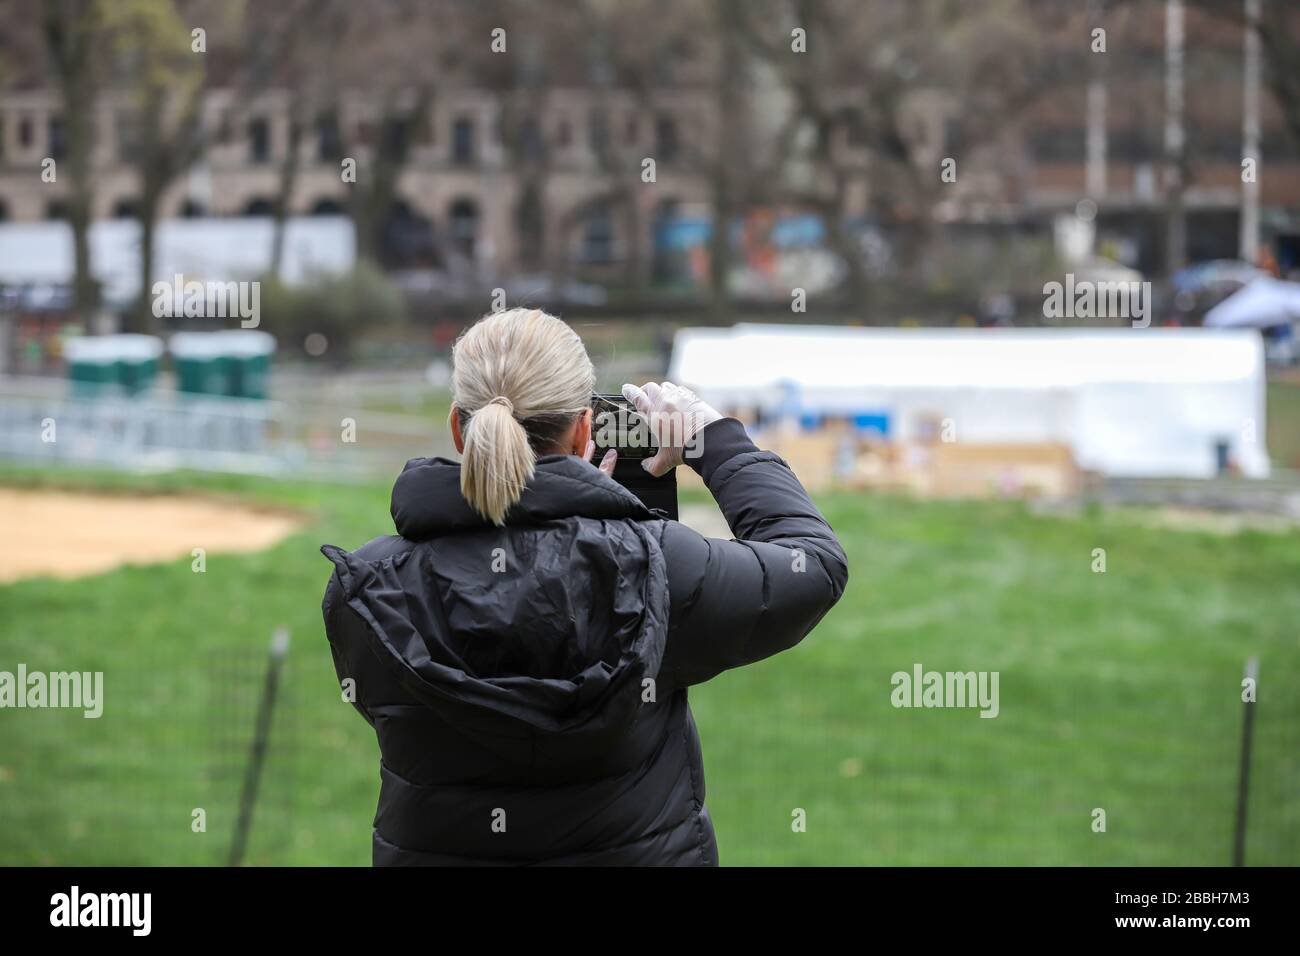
615	423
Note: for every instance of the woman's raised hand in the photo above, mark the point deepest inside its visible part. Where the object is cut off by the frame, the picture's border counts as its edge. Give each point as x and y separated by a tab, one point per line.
675	415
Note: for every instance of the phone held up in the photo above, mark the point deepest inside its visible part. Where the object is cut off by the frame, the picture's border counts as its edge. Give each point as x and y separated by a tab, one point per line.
615	423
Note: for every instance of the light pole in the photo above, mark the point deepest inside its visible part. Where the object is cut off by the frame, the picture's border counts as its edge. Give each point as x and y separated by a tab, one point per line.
1175	138
1250	137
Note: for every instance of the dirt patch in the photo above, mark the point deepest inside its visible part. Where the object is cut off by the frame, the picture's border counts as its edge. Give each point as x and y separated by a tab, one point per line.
1179	517
1214	522
71	535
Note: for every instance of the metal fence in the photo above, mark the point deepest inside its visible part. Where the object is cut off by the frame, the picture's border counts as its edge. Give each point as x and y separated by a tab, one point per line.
43	421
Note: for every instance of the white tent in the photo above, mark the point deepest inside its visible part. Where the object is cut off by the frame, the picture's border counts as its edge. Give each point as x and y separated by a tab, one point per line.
201	249
1156	402
1264	303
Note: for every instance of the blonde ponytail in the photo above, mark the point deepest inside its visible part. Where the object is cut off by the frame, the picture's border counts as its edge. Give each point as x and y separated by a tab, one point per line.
518	378
497	461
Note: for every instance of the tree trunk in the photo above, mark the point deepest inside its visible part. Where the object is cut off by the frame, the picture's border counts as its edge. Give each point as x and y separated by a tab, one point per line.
70	33
720	245
147	322
635	273
284	194
372	198
729	79
85	288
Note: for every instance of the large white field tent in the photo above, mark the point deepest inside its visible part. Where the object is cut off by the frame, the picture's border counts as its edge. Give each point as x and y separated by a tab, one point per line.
1127	402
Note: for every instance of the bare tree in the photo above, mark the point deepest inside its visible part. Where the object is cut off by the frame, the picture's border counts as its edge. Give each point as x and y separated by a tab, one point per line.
73	32
384	62
161	75
67	37
635	54
857	74
287	57
665	54
1278	29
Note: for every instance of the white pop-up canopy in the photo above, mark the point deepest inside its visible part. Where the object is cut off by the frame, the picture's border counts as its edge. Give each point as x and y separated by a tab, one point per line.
1156	402
1262	304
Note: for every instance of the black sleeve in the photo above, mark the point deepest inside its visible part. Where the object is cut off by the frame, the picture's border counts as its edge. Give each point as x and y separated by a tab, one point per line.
331	607
735	602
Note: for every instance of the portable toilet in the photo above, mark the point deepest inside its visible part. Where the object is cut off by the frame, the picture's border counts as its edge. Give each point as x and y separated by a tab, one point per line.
199	368
98	364
136	361
90	366
248	354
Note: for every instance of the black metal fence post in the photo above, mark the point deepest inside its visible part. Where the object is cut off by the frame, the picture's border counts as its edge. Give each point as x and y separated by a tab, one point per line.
1243	774
261	738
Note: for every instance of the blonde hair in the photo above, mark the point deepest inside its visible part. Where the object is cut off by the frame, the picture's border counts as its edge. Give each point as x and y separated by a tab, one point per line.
519	379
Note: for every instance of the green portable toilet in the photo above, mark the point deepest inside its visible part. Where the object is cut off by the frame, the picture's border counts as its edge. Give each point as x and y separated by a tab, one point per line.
91	365
103	364
136	361
199	369
248	356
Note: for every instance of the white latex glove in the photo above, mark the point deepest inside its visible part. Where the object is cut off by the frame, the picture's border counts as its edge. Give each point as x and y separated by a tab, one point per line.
675	415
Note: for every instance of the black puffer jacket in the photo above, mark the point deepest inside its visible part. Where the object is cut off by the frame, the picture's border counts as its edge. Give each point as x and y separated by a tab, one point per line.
528	683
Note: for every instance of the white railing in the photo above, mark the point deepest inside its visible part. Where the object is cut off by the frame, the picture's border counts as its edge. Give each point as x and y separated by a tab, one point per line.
47	421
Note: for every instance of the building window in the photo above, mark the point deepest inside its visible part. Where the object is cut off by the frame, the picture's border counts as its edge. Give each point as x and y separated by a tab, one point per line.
25	132
598	237
855	128
462	141
56	209
127	131
329	142
4	211
259	207
58	144
954	136
225	127
530	140
397	134
1130	145
125	209
259	140
326	207
598	132
1058	144
192	209
464	226
665	139
563	134
631	130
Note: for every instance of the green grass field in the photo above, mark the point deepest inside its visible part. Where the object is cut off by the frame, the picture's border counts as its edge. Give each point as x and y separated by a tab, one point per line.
1283	424
1119	691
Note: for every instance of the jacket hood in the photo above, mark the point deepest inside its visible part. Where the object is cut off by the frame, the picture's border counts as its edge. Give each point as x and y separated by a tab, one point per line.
427	500
543	628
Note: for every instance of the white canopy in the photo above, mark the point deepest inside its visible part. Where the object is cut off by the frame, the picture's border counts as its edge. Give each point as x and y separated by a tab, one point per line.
1263	303
1129	402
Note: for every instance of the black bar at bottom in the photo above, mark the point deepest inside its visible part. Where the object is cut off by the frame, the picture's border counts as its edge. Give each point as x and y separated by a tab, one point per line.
336	905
